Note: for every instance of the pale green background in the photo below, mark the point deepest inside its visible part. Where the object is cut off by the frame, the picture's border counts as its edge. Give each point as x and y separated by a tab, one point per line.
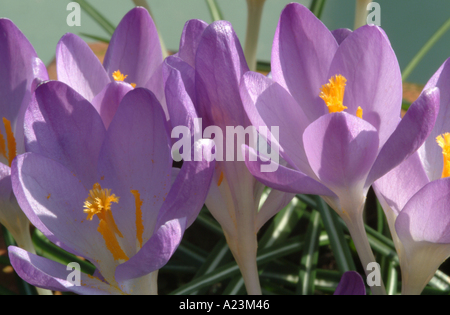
408	23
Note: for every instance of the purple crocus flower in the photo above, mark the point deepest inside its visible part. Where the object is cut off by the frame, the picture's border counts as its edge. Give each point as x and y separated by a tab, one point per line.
20	72
133	59
337	104
202	81
351	284
415	197
110	196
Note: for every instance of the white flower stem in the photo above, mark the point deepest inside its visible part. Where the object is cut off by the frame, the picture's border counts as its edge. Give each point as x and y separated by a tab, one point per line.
361	13
255	9
244	252
355	225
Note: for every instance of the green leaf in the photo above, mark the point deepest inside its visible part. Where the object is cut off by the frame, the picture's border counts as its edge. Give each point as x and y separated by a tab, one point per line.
231	269
317	7
214	10
405	105
424	50
97	38
97	16
310	255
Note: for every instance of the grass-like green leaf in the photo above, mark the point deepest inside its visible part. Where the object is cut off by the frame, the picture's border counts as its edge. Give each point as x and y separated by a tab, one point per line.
214	10
101	20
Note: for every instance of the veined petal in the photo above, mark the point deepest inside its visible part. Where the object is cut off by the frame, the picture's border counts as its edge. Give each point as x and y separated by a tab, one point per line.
283	178
155	253
269	104
409	135
134	48
136	156
341	149
219	66
430	153
276	201
47	274
107	101
302	51
374	82
340	34
79	67
60	124
190	38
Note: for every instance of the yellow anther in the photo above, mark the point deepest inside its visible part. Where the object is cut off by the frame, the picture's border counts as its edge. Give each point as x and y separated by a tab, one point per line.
119	76
99	203
444	142
333	93
359	112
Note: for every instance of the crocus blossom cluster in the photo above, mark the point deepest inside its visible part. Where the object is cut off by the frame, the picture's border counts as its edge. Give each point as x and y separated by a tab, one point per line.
88	160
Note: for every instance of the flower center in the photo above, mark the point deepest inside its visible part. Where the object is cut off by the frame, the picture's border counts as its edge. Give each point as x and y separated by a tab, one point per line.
119	76
10	140
333	95
444	142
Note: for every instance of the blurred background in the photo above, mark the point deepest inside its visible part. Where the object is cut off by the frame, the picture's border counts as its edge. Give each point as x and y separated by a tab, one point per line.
408	23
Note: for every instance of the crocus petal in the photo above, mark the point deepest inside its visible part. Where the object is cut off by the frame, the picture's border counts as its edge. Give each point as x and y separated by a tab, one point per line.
52	198
21	71
190	38
411	132
180	92
301	56
340	34
283	178
107	101
155	253
368	62
426	217
136	156
269	104
351	284
79	67
219	65
134	48
60	124
45	273
430	153
341	149
401	183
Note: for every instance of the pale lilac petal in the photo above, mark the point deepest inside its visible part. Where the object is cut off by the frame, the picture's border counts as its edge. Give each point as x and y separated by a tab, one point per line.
79	67
134	48
302	52
190	38
136	156
180	92
52	198
368	62
47	274
430	152
340	34
341	149
411	132
219	66
155	253
283	178
351	284
107	101
426	216
21	71
60	124
401	183
269	104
